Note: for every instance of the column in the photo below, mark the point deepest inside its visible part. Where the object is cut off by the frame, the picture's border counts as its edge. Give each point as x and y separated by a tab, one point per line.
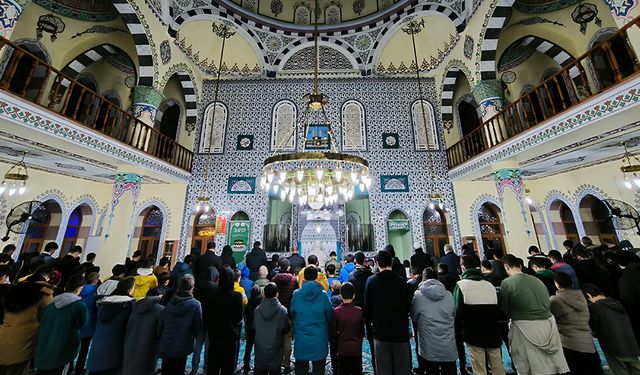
10	11
122	220
144	107
490	98
519	230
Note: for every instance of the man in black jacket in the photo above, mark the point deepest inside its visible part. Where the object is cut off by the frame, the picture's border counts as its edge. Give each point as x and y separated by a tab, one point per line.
204	261
68	263
396	265
588	271
296	262
359	278
256	258
628	286
420	260
387	302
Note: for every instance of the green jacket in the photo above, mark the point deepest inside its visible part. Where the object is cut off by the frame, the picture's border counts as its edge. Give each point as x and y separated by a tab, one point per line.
524	297
59	335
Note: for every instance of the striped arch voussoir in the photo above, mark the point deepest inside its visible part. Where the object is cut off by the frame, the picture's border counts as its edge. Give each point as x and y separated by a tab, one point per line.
143	48
189	92
447	93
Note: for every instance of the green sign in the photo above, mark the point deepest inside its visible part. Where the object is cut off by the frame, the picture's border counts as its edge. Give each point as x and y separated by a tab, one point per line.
239	232
398	225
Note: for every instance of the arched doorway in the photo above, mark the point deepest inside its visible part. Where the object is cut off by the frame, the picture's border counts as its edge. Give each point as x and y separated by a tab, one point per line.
563	222
595	220
81	100
360	233
78	228
468	115
436	233
277	232
399	234
169	118
150	232
39	234
239	235
491	229
532	111
204	230
27	76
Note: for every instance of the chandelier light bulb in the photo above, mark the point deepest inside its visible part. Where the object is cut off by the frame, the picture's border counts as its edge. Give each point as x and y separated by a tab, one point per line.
300	175
282	176
529	200
636	180
440	205
319	174
338	174
206	208
329	189
22	190
432	206
362	186
313	190
276	188
302	199
197	207
628	184
12	191
263	181
270	176
354	177
283	195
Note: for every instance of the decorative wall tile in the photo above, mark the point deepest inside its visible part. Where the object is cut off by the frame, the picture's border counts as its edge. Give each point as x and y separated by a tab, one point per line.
241	185
245	142
390	140
394	184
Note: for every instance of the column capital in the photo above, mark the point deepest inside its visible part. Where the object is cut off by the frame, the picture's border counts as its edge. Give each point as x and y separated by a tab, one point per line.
488	89
147	95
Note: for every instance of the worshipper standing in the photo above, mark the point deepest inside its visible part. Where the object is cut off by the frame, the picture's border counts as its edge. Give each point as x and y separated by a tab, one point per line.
67	264
332	276
145	279
271	324
312	313
181	269
336	263
477	309
569	308
542	273
335	297
59	335
347	330
346	270
629	287
133	263
255	259
358	278
180	323
433	313
89	297
45	257
5	286
107	346
447	278
558	265
420	260
238	276
203	262
414	280
89	265
163	267
226	257
488	274
589	271
611	325
250	333
396	265
108	286
525	300
296	261
23	307
273	265
263	279
287	284
223	323
312	260
451	259
141	339
387	303
205	293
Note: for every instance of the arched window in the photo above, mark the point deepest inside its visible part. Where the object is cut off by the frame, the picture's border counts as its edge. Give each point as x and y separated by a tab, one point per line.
333	14
568	223
40	233
150	232
283	126
354	136
73	230
491	226
436	233
212	137
424	126
596	219
204	230
25	69
468	115
168	118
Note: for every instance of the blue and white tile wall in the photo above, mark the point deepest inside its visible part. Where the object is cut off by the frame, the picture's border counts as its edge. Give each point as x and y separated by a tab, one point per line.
387	103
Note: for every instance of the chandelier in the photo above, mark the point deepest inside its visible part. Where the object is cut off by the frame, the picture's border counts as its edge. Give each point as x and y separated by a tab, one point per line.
223	31
50	24
629	169
319	176
15	180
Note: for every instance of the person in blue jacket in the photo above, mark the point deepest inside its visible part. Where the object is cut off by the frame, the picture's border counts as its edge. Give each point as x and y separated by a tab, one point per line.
89	297
312	313
180	324
347	268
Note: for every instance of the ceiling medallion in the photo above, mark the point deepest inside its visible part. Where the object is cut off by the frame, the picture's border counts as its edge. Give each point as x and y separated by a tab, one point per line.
318	176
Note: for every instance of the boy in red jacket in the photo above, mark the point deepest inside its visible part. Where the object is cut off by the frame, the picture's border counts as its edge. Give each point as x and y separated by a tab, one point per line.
347	329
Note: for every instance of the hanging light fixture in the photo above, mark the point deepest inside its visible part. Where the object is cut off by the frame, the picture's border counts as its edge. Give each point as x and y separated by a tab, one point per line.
15	180
413	28
585	13
50	24
223	31
318	176
630	168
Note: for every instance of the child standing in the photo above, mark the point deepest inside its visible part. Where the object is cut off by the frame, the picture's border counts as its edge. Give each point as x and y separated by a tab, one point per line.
271	323
347	329
332	275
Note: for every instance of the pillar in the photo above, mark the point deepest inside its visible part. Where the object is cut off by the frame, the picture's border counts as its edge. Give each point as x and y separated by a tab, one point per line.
490	98
122	219
10	11
516	218
144	107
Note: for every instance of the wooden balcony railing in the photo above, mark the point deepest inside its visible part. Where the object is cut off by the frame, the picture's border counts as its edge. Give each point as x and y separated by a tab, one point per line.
605	65
31	78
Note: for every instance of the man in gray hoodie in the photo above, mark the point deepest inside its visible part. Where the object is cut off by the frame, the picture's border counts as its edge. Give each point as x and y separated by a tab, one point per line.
271	323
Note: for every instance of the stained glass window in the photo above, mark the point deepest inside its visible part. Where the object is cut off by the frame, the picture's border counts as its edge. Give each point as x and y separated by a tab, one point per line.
152	224
283	126
424	126
214	128
353	126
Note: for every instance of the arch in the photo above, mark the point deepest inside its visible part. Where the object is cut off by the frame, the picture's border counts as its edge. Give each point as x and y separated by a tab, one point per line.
40	233
190	100
475	210
448	87
542	223
490	226
302	14
25	67
599	63
499	17
399	236
553	204
595	217
468	117
424	125
169	125
212	135
240	215
94	54
300	44
204	229
137	225
77	227
139	35
284	121
535	43
81	104
436	231
354	133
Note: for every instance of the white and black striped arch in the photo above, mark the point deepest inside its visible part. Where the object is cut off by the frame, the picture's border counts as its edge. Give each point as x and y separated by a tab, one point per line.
448	87
490	42
140	39
88	57
189	91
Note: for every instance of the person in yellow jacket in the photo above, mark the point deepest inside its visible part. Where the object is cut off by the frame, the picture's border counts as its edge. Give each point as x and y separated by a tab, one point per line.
237	288
312	260
144	280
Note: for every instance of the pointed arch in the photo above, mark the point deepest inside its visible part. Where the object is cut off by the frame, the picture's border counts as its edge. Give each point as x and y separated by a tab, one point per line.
284	121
